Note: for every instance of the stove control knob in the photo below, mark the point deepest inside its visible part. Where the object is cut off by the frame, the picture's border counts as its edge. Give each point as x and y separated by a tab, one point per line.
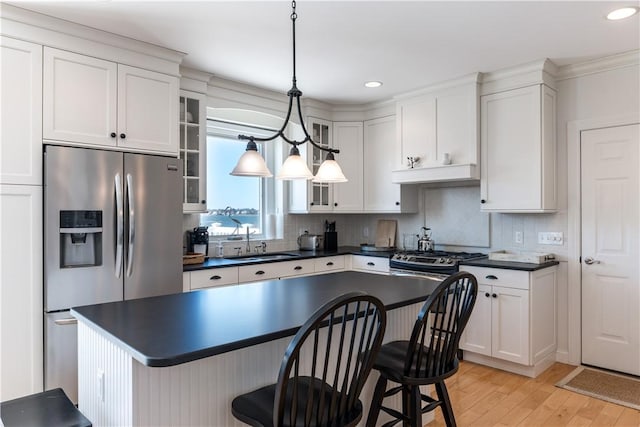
441	260
449	261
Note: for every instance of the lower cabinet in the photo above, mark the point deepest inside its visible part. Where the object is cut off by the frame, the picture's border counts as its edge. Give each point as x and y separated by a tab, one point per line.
370	264
330	263
514	318
213	277
21	299
275	270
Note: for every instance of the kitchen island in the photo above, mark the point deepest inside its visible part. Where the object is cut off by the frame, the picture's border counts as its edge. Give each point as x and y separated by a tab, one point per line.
180	359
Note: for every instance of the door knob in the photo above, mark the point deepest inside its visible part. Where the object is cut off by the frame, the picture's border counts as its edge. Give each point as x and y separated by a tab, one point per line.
589	260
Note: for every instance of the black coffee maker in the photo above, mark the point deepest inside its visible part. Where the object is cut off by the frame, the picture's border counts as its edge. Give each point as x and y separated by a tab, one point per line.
198	240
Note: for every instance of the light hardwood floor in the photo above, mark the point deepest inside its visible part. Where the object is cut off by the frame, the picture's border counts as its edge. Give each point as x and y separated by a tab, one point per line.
483	396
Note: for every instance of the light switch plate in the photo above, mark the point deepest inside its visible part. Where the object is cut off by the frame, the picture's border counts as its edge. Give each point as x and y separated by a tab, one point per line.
550	238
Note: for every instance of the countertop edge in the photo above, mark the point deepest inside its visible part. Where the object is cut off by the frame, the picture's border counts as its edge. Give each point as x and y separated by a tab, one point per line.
508	265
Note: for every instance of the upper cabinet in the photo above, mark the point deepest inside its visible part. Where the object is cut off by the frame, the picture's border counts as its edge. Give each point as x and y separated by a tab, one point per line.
437	133
519	150
95	102
345	197
380	194
193	145
21	100
347	137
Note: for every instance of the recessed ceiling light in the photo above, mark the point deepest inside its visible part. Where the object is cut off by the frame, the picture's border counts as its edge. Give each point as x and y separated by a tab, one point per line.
373	84
622	13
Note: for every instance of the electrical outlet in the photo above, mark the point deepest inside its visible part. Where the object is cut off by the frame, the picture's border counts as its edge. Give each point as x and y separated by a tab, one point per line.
365	232
517	237
100	385
550	238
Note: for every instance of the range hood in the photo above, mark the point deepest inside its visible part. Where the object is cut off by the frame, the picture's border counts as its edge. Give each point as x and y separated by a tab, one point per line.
436	173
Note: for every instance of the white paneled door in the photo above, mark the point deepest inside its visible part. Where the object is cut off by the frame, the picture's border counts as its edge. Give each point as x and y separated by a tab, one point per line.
610	159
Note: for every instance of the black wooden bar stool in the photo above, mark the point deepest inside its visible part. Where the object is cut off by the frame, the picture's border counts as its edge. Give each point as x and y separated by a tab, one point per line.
428	357
323	370
46	409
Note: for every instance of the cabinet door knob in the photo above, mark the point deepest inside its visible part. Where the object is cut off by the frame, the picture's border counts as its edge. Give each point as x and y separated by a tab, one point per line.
335	204
259	272
397	203
487	294
216	277
203	201
311	203
491	277
123	136
494	295
113	134
483	201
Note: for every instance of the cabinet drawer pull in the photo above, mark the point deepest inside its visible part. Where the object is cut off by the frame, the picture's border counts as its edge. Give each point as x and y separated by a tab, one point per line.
216	277
371	264
329	264
67	321
259	272
123	136
113	135
494	295
297	267
492	277
487	294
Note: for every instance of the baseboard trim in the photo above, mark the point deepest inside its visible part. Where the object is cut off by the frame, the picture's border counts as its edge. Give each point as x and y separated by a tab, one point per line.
516	368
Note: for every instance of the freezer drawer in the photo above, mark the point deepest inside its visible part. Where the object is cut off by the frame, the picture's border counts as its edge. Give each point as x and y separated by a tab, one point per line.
61	355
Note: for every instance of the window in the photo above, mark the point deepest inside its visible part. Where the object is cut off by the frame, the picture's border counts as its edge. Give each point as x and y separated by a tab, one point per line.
233	203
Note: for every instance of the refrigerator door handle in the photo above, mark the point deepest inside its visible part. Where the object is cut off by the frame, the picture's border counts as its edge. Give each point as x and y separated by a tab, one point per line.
132	224
67	321
119	225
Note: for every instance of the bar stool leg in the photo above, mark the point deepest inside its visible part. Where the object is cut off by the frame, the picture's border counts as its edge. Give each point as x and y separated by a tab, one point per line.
447	410
376	402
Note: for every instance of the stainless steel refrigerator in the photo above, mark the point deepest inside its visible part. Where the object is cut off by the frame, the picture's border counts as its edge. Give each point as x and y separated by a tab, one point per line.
113	231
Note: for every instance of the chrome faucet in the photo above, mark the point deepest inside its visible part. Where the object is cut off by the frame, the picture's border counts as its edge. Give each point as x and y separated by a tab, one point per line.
248	250
264	247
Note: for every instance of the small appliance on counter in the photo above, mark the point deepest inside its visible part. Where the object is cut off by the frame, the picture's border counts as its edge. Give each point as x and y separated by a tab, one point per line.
330	236
198	241
308	242
425	244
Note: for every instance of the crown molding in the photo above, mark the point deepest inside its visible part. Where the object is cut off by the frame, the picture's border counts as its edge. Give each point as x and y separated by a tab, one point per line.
473	78
46	30
542	71
599	65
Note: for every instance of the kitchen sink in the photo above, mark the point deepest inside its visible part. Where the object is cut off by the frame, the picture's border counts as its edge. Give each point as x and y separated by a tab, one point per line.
273	256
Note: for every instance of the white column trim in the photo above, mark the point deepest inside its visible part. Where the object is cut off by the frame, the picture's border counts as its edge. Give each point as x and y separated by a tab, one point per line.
574	235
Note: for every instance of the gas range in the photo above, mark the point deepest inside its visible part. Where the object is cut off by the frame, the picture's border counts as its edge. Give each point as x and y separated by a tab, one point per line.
431	263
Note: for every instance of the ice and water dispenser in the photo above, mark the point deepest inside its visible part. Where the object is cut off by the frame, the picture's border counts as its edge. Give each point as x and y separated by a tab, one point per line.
80	238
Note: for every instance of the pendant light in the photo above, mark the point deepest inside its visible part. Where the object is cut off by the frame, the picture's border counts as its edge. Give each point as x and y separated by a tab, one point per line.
251	162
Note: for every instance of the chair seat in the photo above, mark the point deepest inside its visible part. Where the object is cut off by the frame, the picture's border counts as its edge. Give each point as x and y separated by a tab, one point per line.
49	408
256	407
391	360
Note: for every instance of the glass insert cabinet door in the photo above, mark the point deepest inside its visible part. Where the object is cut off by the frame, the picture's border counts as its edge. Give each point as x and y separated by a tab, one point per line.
320	192
192	150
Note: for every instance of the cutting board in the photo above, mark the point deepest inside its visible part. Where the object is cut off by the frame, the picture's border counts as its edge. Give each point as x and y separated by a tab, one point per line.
386	233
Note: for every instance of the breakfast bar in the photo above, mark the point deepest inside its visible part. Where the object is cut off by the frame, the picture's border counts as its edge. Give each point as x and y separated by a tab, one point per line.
180	359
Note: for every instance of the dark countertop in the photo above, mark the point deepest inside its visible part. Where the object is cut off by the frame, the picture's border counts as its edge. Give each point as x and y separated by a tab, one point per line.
509	265
179	328
234	262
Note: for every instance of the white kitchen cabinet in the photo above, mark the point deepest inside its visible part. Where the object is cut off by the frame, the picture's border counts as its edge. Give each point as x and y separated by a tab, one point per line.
320	197
21	299
193	150
370	264
513	320
380	194
213	277
90	101
435	123
21	109
518	141
330	263
347	137
275	270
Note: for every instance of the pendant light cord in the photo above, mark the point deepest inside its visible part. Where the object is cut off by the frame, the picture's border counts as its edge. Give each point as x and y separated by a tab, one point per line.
294	92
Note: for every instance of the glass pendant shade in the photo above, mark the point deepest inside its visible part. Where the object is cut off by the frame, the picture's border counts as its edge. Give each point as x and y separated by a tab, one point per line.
294	167
330	171
251	163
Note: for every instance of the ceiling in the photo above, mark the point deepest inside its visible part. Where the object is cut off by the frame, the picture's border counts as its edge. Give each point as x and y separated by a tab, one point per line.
342	44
